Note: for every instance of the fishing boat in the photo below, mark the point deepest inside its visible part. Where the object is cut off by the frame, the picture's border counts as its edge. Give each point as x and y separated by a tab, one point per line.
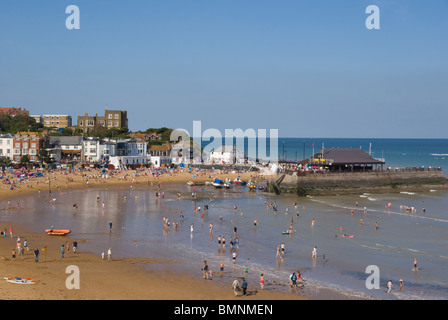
20	280
57	232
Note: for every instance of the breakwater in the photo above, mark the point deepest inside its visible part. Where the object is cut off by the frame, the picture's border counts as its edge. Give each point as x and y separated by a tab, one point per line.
320	183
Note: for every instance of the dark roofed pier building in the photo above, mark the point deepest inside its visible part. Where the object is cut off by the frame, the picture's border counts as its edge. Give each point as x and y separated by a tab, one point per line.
350	159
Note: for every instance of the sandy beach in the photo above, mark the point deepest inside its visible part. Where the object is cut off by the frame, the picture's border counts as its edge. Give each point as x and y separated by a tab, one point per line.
118	279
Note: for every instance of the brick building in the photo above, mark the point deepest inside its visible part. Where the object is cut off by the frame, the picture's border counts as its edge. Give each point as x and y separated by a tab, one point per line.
116	119
28	144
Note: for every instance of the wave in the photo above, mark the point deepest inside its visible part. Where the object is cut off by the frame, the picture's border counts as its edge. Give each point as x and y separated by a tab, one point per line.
379	211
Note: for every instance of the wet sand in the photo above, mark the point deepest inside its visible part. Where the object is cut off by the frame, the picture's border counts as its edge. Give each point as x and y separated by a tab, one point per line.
118	279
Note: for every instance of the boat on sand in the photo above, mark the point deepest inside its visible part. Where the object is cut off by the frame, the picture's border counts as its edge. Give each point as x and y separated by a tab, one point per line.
57	232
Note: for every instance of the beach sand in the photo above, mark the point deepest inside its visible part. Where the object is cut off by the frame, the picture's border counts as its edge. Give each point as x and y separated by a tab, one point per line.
118	279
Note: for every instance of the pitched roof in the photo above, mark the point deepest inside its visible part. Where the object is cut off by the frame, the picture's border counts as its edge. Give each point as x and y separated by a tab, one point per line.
350	156
66	140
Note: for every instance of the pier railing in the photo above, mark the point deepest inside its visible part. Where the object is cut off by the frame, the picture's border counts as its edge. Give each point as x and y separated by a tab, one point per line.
303	172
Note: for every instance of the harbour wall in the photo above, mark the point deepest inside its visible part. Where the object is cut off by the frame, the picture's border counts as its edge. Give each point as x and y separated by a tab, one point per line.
355	182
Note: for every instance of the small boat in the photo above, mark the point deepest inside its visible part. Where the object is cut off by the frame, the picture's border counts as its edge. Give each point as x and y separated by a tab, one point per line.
251	186
190	183
56	232
217	185
20	280
239	181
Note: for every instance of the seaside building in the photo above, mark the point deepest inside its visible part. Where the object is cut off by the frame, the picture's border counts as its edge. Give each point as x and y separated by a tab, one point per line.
28	144
12	111
227	154
96	150
56	121
349	159
65	149
112	119
6	144
160	155
130	152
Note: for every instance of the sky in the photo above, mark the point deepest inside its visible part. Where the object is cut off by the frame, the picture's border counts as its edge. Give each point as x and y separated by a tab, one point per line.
306	68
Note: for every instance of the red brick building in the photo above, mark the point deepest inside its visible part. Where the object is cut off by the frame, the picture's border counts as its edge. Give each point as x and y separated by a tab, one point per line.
28	144
11	111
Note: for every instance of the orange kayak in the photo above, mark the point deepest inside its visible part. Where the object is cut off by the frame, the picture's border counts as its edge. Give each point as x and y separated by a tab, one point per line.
57	232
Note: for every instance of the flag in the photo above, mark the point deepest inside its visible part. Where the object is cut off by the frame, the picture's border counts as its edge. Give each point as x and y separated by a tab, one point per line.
44	248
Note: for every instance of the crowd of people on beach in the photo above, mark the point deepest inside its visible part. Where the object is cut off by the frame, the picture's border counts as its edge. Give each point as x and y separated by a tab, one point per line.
294	280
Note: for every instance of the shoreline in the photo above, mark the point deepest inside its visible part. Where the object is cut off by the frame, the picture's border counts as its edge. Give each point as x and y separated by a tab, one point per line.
122	278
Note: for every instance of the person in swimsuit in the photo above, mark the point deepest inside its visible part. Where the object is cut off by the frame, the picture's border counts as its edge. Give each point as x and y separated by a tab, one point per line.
262	281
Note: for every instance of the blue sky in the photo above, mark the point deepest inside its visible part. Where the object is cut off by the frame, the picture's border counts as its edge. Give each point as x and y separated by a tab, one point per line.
307	68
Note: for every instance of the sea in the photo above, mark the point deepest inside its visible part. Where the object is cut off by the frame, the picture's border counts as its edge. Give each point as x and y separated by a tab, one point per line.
387	240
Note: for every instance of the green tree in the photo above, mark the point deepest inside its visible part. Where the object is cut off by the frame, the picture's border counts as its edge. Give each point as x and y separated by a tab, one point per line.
43	155
25	159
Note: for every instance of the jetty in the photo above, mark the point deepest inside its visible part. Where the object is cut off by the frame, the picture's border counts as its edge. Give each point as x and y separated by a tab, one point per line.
342	171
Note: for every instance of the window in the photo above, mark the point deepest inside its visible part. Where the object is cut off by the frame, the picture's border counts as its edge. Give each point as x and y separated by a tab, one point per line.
90	123
117	116
110	116
109	123
116	123
33	145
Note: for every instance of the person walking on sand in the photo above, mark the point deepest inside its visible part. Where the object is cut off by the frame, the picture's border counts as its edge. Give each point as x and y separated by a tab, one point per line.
36	255
62	251
109	254
244	286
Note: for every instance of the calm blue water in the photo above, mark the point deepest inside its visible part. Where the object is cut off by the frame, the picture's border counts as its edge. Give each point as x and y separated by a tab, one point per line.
397	152
401	237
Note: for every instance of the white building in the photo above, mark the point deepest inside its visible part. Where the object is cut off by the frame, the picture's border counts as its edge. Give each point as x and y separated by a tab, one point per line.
6	146
90	149
130	152
226	155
